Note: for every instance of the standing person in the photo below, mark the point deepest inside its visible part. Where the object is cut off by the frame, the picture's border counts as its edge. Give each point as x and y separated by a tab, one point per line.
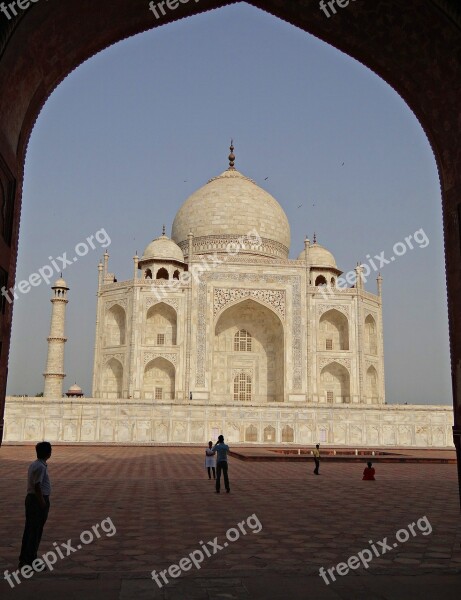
316	454
210	460
37	504
221	450
369	472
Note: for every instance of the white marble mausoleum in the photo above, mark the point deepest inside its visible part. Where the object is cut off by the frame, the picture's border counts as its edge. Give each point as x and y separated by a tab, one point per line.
219	331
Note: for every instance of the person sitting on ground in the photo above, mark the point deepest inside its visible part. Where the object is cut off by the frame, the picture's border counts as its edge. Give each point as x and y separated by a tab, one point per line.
368	473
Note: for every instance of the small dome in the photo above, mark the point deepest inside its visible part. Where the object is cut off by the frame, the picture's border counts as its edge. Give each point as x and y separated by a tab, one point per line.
75	388
163	248
60	283
319	257
75	391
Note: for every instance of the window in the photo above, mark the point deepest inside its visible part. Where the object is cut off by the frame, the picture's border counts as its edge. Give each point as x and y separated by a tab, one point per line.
176	274
251	434
162	274
269	434
242	388
148	274
160	339
242	341
320	281
330	397
329	344
288	434
158	393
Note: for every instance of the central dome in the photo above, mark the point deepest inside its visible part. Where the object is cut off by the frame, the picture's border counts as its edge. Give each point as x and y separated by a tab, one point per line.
228	208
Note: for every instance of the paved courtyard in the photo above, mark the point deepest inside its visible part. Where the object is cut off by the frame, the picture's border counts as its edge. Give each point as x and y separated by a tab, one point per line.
163	507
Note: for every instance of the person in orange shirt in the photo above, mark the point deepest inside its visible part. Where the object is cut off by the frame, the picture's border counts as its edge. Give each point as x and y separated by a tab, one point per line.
368	473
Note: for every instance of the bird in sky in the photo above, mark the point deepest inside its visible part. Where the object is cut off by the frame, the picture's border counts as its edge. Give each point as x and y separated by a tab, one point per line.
300	206
266	178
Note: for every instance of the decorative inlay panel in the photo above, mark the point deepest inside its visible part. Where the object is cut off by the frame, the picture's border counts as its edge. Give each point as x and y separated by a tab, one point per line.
121	302
108	357
148	356
233	245
345	362
151	300
224	296
343	308
236	372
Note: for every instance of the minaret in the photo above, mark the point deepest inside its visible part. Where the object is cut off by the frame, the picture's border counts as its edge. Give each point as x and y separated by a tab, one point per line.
358	277
54	374
379	281
135	261
106	265
307	243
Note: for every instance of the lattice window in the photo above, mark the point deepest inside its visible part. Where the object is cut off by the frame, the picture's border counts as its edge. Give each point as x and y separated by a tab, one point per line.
242	388
287	434
329	344
242	341
251	434
330	397
160	339
159	393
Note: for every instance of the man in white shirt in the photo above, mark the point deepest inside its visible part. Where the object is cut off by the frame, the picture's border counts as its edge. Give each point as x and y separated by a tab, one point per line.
37	504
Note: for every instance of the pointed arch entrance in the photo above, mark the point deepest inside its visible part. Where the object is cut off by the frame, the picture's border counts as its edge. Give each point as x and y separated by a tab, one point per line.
248	355
112	379
159	380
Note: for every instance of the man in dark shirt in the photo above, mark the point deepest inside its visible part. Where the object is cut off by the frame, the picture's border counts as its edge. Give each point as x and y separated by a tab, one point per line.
221	449
316	454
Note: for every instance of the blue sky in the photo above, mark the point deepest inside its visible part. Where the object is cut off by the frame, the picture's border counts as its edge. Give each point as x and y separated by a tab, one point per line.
131	133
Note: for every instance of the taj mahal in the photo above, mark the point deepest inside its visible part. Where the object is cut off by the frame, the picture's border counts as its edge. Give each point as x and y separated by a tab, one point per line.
219	331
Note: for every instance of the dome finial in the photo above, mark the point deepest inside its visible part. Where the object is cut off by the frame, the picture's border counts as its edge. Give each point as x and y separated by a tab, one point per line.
315	238
231	156
163	230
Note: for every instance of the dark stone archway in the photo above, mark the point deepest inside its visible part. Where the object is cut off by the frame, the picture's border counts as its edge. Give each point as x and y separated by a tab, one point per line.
414	45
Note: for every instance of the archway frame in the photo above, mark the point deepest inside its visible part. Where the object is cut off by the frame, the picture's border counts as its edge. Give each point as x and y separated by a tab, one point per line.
44	43
269	312
173	381
341	369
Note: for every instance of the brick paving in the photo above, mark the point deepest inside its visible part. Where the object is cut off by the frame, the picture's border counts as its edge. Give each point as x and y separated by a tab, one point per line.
162	505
